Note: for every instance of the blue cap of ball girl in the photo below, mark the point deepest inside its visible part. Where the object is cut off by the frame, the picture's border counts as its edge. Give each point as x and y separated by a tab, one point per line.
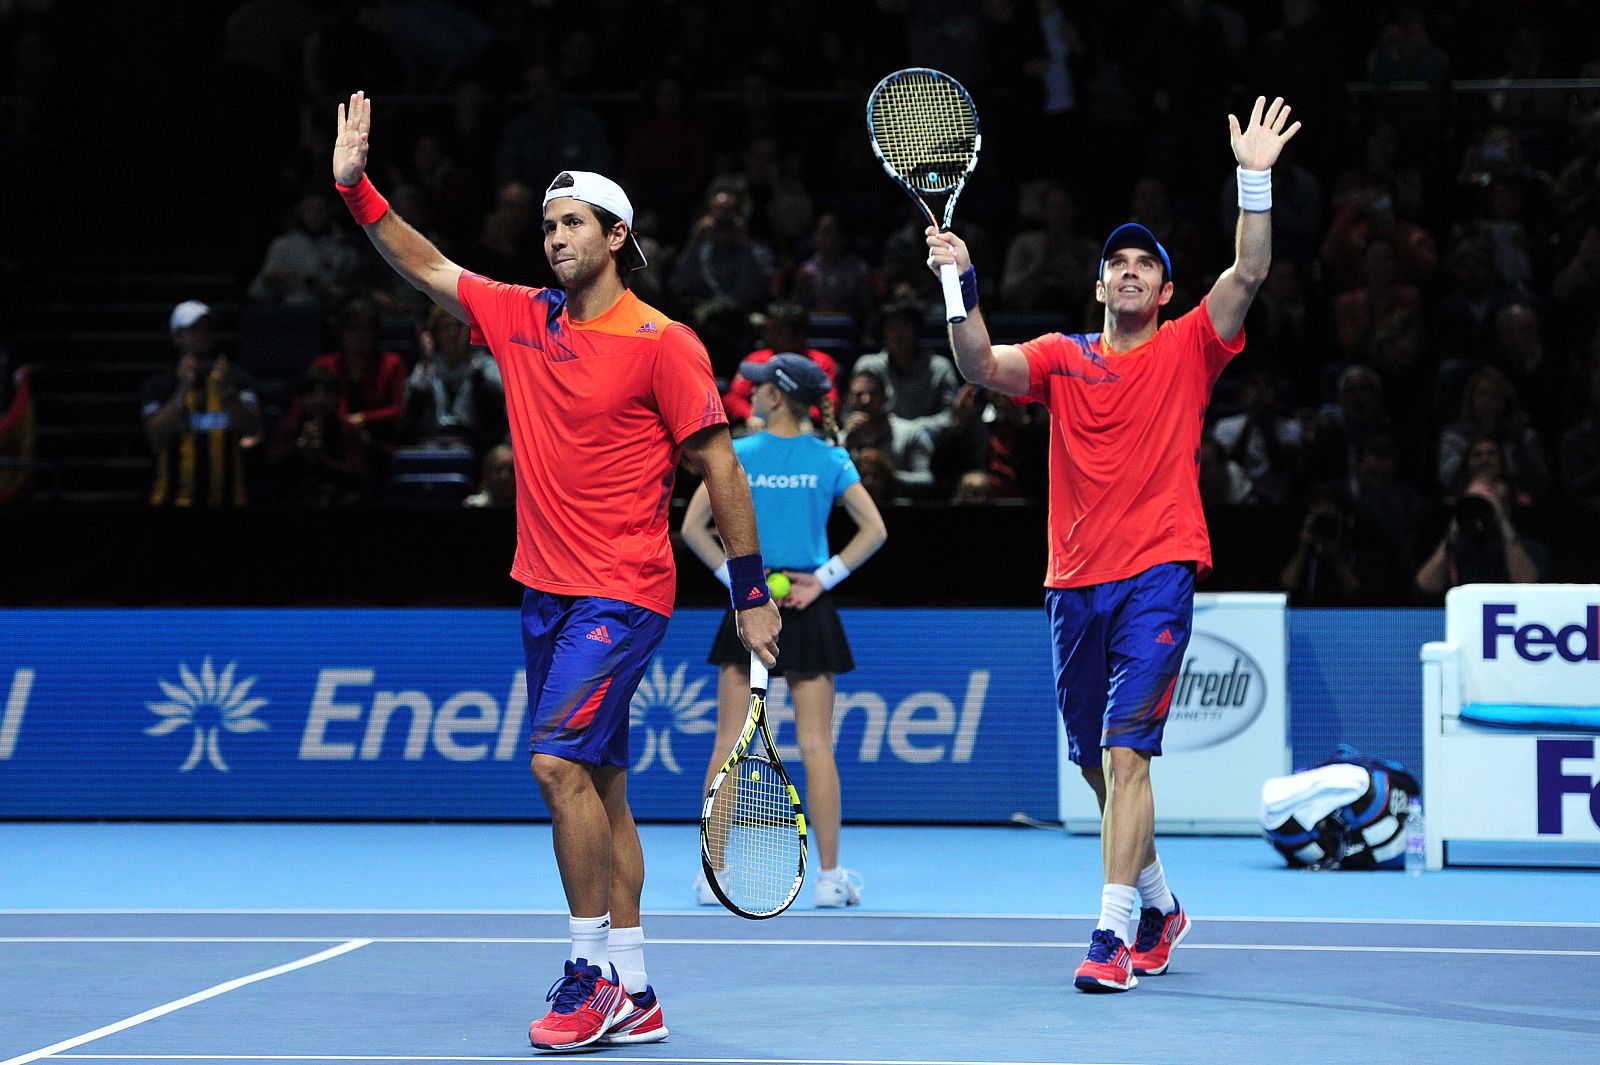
795	375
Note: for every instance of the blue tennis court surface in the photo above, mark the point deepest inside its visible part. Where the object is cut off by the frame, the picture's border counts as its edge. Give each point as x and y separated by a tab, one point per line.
139	944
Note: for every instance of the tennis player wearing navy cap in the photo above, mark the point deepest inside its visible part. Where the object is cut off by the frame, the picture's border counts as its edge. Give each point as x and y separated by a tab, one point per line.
796	479
1128	537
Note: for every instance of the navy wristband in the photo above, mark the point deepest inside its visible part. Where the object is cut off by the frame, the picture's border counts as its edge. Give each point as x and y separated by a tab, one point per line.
969	288
747	582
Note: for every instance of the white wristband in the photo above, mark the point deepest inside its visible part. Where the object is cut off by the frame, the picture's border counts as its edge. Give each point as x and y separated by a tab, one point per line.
721	574
1255	189
832	572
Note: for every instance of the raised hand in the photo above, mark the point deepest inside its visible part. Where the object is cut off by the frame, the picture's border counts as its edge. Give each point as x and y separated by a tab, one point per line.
1257	145
350	146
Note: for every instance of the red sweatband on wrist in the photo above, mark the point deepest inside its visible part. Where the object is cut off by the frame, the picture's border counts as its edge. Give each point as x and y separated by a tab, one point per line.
366	203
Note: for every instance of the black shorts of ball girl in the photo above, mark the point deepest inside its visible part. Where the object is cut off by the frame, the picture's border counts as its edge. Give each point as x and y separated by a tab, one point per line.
812	641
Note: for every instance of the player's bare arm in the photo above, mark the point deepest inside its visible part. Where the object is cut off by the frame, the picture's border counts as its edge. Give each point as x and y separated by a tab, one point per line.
1256	147
728	491
412	255
1001	367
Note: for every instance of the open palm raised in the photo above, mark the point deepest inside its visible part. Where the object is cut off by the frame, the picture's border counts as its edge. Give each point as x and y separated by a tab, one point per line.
1255	147
350	146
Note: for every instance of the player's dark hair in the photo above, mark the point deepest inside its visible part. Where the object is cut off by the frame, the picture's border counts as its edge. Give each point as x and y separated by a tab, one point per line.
625	258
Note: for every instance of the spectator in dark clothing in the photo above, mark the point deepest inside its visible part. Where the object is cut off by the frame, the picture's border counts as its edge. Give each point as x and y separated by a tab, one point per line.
1367	213
1491	410
1539	375
1580	446
834	278
1337	432
510	243
871	425
1323	569
666	158
455	391
1480	546
552	135
316	458
721	261
1001	436
1388	514
1050	266
1264	443
923	383
371	382
1463	321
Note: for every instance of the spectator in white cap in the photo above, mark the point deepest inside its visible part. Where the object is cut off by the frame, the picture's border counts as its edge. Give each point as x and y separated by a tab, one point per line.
199	418
603	394
310	264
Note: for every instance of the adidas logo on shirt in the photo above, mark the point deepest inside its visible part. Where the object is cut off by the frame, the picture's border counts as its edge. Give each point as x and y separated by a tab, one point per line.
1166	637
599	635
648	328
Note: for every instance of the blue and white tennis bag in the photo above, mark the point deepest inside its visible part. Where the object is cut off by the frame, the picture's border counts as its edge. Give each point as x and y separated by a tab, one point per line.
1348	813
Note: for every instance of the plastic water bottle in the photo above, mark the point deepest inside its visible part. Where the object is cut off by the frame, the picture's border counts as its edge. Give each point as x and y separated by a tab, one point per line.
1416	839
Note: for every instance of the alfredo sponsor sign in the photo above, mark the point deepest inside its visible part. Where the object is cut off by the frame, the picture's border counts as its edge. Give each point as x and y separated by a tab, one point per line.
424	714
1227	724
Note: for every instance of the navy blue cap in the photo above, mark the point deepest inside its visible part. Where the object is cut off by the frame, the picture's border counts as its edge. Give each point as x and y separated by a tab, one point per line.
1133	235
794	374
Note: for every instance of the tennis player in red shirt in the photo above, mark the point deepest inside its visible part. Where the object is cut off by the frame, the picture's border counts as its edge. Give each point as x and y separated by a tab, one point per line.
602	393
1127	535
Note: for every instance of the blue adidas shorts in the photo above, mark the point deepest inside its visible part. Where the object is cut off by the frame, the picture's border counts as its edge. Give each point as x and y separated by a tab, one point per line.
586	656
1117	649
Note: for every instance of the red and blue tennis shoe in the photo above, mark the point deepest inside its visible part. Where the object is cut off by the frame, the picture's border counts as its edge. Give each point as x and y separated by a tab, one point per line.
585	1005
643	1024
1109	966
1158	933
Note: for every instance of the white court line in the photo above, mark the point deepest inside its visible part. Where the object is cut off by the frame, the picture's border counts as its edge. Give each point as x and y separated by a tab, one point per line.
187	1000
1331	948
857	915
524	1058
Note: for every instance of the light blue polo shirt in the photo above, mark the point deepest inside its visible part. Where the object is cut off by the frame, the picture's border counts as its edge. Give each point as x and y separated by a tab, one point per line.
794	481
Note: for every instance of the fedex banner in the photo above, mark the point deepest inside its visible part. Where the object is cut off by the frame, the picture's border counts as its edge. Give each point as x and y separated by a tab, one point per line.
423	714
1511	726
1527	645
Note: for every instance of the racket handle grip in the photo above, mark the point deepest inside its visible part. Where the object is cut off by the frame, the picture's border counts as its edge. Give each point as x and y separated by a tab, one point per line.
758	672
954	309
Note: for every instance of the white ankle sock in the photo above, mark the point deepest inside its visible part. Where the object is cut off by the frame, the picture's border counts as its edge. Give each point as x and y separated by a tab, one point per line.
1117	902
589	939
1153	890
626	946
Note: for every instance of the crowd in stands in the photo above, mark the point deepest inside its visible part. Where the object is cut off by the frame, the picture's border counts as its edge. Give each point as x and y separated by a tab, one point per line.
1421	379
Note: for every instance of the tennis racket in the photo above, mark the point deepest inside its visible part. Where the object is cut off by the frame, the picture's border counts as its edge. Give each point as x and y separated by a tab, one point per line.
752	827
924	131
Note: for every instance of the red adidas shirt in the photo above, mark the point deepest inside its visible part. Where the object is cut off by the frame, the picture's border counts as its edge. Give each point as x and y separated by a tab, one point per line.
1125	448
598	410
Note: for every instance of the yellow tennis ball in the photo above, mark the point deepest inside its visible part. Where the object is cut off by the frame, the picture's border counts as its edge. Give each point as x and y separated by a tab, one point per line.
778	585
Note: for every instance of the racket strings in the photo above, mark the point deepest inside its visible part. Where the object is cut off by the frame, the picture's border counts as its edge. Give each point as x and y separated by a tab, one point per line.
754	829
926	130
